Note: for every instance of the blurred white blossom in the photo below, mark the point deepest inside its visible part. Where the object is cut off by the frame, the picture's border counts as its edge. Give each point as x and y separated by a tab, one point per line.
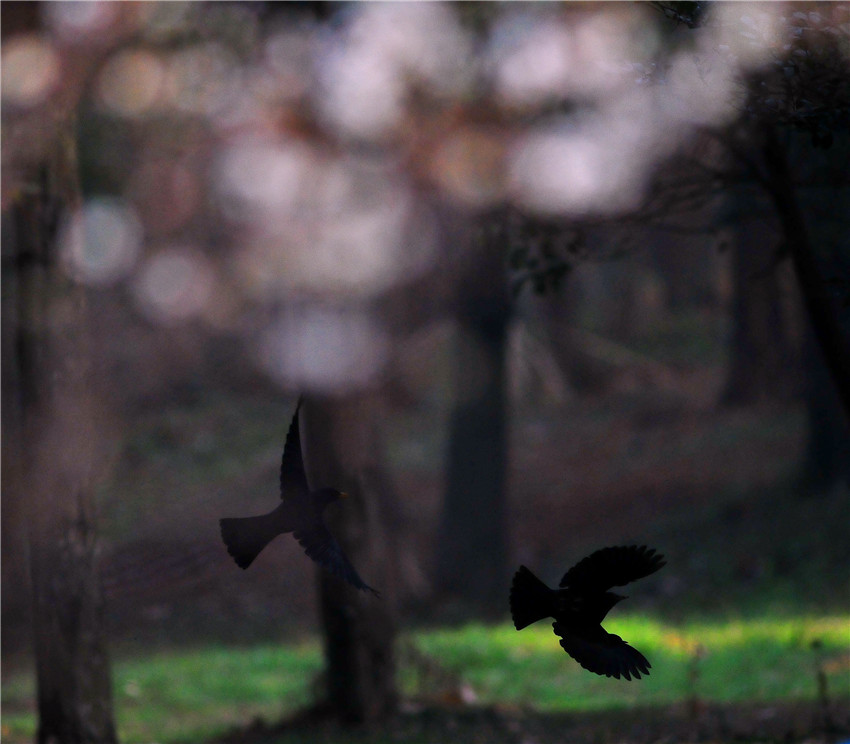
324	347
174	284
30	69
369	69
100	243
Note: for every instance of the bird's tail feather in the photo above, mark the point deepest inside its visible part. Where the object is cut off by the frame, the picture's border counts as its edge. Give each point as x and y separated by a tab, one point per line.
245	537
531	599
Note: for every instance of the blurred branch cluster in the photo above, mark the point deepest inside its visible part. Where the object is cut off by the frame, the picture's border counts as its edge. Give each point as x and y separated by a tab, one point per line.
249	166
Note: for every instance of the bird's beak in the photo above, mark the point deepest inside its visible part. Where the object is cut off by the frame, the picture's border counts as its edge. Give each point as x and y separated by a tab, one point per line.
343	495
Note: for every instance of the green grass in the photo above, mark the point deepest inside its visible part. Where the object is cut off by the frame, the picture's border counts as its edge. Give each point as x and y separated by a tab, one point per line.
732	661
190	696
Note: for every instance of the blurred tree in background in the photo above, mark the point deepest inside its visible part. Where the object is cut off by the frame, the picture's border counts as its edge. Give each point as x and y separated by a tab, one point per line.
313	191
50	436
343	441
472	548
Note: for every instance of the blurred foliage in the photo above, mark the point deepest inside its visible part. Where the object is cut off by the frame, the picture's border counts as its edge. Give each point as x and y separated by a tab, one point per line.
541	254
686	12
802	82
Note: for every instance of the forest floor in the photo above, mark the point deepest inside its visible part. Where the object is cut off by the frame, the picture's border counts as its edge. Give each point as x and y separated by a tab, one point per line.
430	724
713	489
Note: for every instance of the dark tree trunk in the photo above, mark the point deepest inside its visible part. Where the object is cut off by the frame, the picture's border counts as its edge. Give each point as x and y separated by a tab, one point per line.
761	353
818	252
826	462
821	307
17	401
342	450
49	427
50	418
472	542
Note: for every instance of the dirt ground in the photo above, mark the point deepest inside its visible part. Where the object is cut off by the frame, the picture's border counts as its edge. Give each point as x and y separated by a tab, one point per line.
693	722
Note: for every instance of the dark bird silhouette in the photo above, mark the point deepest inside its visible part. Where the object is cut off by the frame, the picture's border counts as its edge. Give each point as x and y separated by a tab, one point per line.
581	603
300	512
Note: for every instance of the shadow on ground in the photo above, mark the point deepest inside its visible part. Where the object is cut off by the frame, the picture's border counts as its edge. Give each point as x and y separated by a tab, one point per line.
809	723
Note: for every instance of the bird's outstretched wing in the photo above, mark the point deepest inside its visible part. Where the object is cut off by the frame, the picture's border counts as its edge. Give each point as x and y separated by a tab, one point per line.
612	567
322	547
602	653
293	479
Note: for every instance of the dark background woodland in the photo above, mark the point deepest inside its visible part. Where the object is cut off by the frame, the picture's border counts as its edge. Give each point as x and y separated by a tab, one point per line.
549	278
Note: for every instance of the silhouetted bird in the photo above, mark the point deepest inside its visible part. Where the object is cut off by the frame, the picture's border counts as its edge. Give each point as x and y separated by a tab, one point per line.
300	513
582	602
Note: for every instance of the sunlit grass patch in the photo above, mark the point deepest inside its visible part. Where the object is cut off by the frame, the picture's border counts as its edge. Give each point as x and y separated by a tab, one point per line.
739	660
193	695
172	697
189	695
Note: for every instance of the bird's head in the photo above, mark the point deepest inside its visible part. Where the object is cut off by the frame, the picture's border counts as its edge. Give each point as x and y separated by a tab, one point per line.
325	496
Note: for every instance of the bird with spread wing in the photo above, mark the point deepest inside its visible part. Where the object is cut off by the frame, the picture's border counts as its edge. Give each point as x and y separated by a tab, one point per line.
300	512
580	604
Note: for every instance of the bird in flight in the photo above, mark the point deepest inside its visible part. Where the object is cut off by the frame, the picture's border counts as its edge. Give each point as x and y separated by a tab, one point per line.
300	512
581	603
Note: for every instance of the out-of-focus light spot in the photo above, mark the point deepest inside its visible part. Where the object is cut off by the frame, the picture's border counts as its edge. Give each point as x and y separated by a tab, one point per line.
553	54
365	97
167	195
469	164
750	31
79	21
386	49
247	110
324	348
174	285
573	172
30	70
288	56
700	90
100	244
162	19
204	79
537	67
601	158
362	250
131	83
422	39
261	176
615	33
319	224
353	254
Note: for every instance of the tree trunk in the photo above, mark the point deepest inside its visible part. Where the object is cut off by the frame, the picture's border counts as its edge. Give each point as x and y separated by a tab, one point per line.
832	339
826	462
49	432
342	451
761	354
472	540
50	415
818	252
